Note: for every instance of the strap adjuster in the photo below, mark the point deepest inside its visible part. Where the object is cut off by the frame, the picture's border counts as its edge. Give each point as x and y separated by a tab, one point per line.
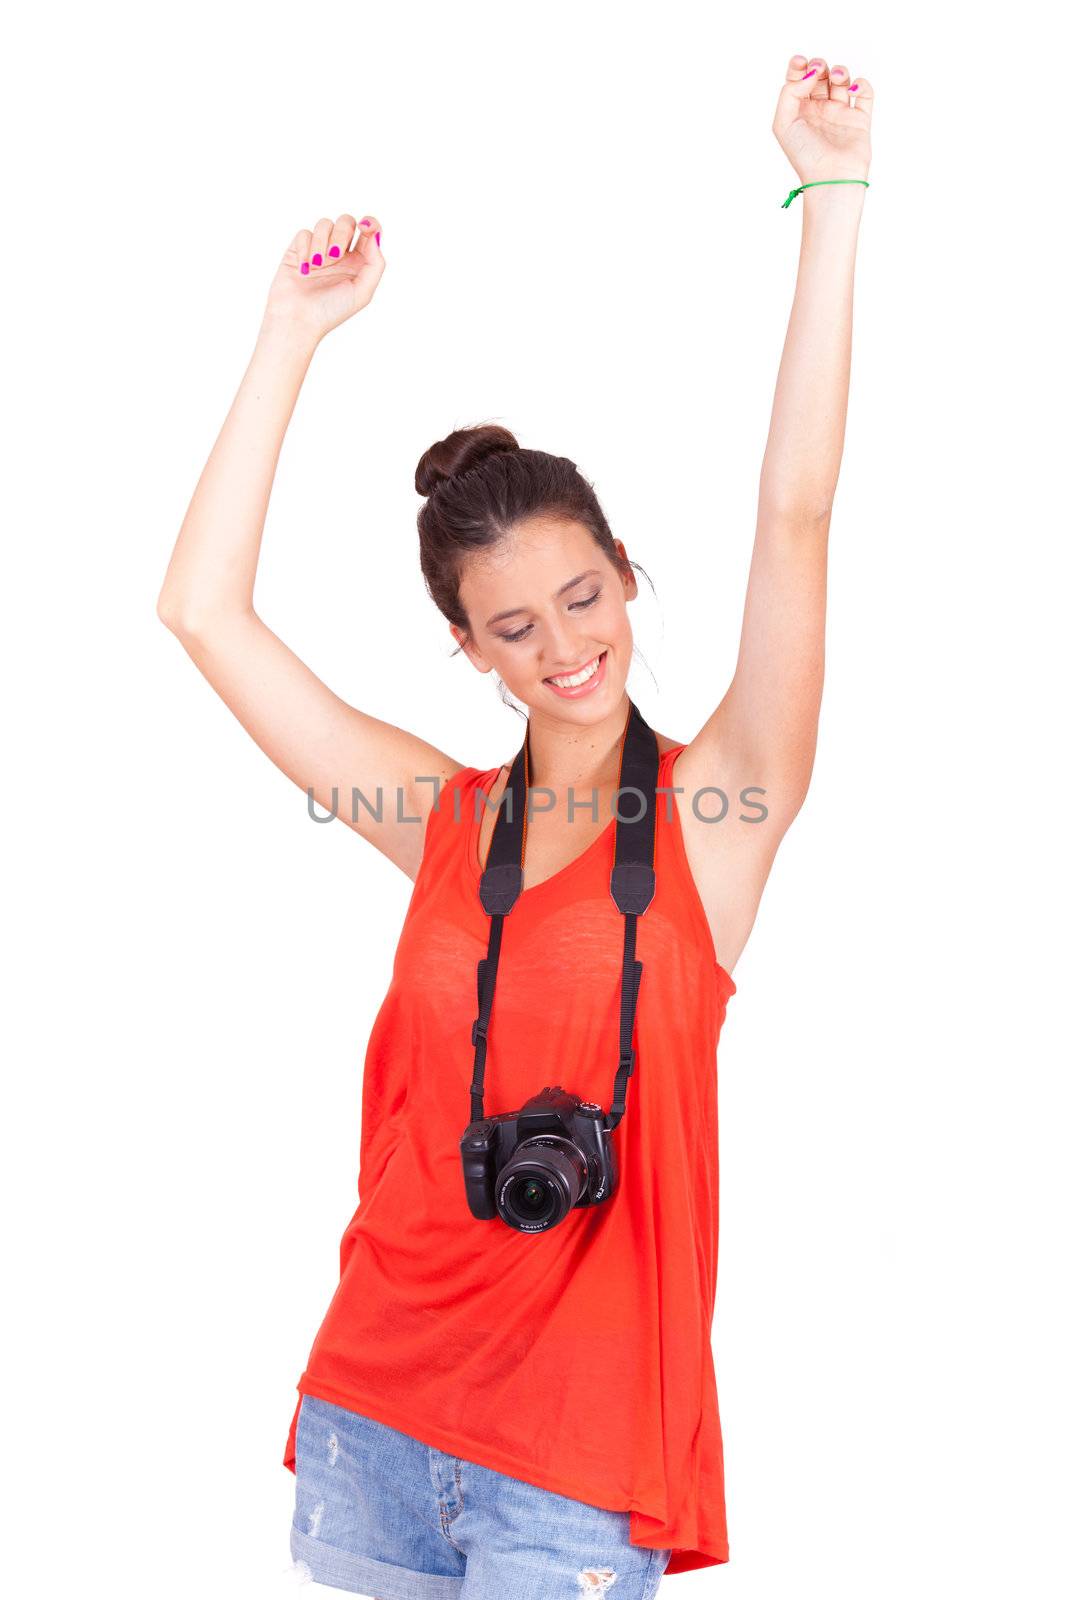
478	1031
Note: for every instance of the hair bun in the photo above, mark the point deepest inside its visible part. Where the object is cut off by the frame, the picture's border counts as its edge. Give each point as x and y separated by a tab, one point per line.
464	448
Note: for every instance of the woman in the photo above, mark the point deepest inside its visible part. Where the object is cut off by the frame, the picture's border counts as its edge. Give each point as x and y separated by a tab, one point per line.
486	1411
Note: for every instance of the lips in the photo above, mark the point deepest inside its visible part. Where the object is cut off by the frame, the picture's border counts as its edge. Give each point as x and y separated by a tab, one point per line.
589	685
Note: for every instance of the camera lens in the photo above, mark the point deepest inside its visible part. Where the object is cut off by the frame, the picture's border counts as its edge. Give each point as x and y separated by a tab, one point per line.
538	1186
531	1198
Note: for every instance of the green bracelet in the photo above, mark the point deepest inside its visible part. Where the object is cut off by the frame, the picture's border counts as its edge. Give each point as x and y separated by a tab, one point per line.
794	192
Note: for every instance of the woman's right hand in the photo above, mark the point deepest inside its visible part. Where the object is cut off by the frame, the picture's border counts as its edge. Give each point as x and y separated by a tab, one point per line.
324	277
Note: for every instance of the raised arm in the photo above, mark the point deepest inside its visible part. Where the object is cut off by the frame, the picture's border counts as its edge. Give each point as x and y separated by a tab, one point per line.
315	737
763	732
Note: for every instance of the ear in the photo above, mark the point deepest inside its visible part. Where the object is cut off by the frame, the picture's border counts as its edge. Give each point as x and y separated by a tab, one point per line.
470	649
629	583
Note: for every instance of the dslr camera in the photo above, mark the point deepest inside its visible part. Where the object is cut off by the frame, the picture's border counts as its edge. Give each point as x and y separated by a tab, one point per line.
532	1167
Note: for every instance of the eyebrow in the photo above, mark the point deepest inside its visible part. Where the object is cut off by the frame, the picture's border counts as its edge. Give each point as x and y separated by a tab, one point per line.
517	611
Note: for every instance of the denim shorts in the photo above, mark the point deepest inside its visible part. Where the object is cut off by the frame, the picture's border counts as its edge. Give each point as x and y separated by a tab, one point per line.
380	1514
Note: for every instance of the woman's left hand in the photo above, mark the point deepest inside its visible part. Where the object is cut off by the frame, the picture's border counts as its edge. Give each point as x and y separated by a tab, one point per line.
822	132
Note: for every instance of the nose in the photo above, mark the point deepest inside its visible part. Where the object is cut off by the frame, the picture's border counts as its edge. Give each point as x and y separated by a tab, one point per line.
565	649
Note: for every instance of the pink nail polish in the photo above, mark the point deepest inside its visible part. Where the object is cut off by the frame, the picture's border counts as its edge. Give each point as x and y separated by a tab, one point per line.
363	221
378	237
304	267
335	249
316	260
807	74
852	88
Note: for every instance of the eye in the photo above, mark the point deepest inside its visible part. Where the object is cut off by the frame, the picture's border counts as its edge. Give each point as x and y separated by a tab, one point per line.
577	605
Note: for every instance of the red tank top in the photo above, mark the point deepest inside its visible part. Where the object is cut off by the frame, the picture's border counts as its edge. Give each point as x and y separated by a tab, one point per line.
578	1359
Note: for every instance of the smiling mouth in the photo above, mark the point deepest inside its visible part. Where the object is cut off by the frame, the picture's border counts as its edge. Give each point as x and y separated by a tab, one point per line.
583	674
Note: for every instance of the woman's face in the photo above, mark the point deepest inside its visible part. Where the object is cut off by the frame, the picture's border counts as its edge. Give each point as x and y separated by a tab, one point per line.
546	602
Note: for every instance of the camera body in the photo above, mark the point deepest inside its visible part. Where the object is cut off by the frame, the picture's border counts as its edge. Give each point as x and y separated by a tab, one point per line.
533	1166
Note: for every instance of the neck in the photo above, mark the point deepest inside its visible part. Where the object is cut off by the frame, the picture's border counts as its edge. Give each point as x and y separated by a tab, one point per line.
563	754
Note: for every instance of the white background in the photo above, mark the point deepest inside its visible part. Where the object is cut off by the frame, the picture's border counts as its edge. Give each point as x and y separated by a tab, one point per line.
581	210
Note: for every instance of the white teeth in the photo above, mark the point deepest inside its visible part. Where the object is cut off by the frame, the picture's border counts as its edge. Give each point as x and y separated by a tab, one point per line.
577	677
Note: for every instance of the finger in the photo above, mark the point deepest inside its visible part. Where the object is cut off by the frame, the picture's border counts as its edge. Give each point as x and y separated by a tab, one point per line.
800	75
813	80
320	241
341	235
861	94
297	253
839	80
370	236
367	252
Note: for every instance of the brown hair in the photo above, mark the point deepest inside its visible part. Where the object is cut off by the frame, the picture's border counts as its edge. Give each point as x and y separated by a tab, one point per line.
479	483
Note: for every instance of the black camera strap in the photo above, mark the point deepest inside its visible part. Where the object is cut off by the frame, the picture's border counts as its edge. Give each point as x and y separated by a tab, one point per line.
633	883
